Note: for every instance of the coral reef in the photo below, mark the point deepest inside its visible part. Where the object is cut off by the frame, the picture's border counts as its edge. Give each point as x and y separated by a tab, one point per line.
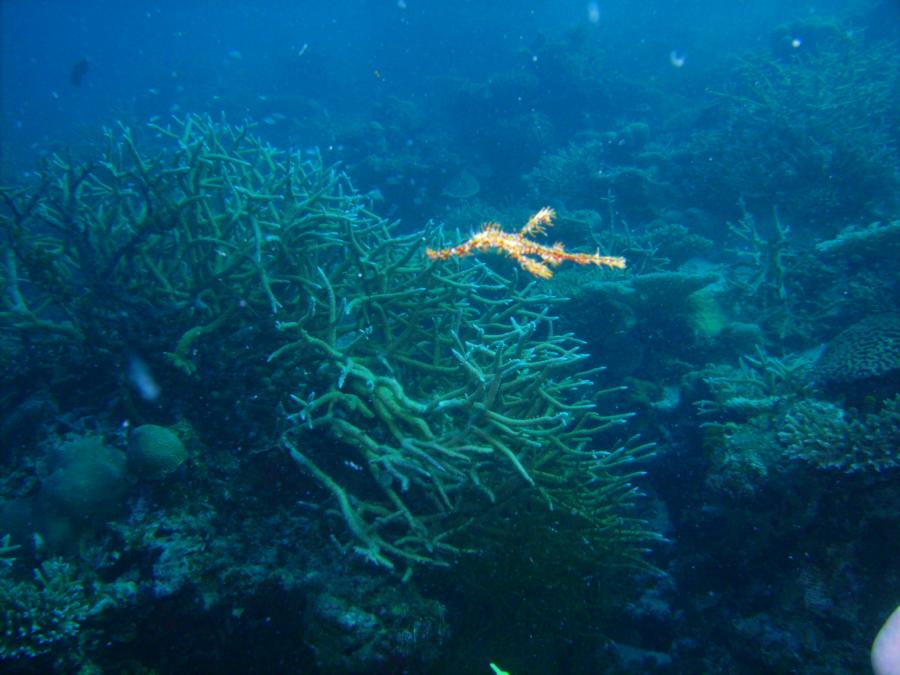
596	167
252	424
827	437
872	241
172	261
471	400
46	621
782	137
435	411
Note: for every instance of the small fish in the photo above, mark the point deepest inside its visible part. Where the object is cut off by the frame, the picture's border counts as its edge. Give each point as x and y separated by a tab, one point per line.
79	70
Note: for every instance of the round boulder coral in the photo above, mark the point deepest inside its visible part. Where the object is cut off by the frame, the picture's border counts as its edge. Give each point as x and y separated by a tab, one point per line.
154	451
87	481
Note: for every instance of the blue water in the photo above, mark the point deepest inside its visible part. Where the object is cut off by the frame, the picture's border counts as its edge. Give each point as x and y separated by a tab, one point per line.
245	58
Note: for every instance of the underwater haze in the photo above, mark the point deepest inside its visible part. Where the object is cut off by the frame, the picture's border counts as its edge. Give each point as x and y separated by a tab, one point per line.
391	336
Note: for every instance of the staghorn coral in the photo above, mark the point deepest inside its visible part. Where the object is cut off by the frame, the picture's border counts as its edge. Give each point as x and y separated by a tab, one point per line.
38	616
743	407
472	413
783	135
175	249
443	400
762	414
762	384
44	621
431	404
206	226
6	550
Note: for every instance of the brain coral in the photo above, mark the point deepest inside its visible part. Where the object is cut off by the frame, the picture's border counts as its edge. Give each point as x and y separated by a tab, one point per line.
868	349
154	451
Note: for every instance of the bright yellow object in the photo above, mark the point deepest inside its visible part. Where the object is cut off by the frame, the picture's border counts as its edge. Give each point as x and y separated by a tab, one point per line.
517	246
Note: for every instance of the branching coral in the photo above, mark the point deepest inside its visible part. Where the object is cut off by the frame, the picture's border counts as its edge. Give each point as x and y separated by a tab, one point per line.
182	244
208	225
430	403
442	400
765	412
523	250
45	618
6	550
743	407
829	438
39	615
762	384
791	125
473	408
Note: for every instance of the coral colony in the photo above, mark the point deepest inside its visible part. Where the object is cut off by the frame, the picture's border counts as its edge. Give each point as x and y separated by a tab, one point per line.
428	403
519	247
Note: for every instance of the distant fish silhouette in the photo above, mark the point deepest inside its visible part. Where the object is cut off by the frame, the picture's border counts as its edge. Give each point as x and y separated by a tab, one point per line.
79	70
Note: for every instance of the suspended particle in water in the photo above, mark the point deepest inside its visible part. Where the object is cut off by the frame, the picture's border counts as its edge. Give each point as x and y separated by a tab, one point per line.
142	379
